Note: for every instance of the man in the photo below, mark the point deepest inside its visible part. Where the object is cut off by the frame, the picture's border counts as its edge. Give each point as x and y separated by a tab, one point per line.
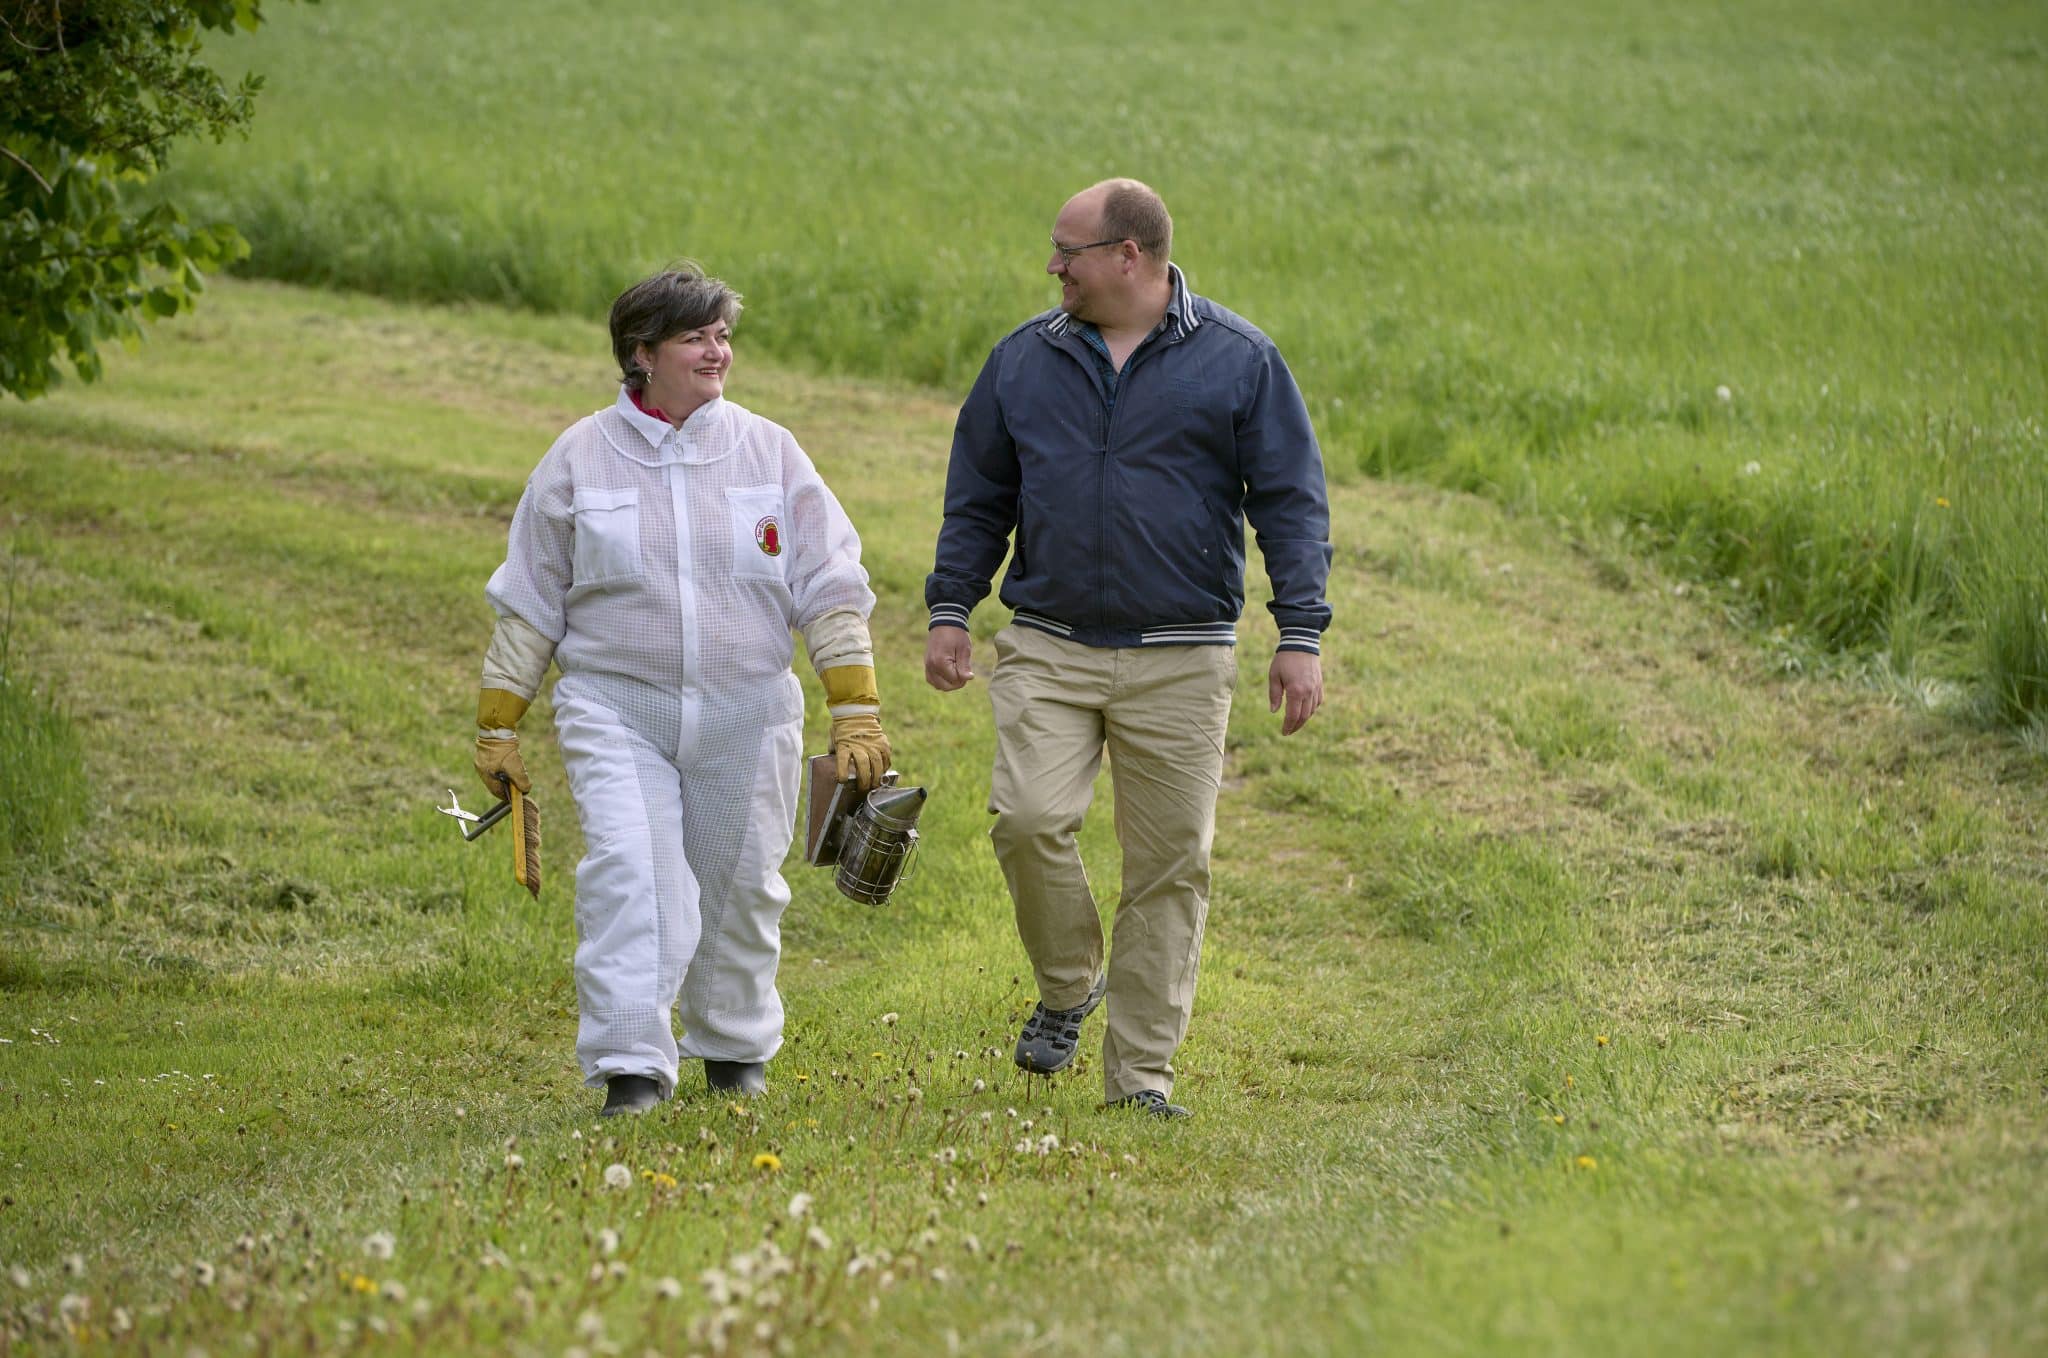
1123	439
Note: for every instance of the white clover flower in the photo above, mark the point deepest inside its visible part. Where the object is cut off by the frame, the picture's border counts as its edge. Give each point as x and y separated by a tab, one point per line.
380	1245
799	1207
607	1242
617	1176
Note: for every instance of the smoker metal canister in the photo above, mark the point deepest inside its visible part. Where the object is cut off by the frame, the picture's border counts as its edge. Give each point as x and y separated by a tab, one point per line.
880	838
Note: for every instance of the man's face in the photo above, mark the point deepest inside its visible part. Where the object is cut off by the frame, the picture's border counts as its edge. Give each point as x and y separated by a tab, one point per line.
1093	275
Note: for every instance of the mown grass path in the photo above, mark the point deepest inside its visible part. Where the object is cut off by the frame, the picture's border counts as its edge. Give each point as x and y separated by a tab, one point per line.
1576	981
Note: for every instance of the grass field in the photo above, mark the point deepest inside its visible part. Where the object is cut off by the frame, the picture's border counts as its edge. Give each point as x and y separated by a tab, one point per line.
1760	287
1585	979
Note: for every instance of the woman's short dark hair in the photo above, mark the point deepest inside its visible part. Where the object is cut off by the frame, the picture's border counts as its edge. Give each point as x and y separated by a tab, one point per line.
679	298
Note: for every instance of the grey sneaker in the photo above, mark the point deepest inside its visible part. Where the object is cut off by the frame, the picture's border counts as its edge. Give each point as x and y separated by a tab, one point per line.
1052	1036
1150	1102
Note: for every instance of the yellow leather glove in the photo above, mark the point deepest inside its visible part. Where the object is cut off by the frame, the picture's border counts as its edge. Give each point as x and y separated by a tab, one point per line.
861	750
497	743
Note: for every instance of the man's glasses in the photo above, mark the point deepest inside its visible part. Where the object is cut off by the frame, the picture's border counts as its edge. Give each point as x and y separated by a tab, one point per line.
1073	251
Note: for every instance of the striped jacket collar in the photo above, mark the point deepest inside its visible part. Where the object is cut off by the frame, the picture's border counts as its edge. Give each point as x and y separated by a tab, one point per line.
1180	310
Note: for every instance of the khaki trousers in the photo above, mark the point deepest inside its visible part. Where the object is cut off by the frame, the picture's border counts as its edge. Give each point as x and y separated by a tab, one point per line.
1161	711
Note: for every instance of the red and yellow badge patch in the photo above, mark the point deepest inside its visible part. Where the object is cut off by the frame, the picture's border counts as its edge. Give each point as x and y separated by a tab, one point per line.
768	537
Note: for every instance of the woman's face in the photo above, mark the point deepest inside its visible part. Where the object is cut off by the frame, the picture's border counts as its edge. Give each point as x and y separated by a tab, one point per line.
687	369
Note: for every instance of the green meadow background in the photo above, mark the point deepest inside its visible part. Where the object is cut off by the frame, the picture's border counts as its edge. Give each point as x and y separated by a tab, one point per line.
1763	286
1646	947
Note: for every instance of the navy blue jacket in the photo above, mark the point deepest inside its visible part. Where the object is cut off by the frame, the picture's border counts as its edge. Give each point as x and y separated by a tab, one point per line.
1128	517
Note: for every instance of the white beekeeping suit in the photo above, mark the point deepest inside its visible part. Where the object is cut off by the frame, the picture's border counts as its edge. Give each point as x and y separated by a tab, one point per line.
666	568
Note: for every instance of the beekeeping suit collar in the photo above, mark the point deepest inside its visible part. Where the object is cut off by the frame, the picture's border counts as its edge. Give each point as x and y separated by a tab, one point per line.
705	436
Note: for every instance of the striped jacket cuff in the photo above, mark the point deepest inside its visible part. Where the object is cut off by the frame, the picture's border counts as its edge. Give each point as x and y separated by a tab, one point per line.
948	615
1301	639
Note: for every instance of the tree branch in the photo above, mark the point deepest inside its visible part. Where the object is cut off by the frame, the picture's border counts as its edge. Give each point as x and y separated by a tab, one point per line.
32	174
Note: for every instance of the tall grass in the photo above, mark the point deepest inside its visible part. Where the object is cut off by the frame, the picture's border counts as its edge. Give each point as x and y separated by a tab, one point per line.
42	766
1517	249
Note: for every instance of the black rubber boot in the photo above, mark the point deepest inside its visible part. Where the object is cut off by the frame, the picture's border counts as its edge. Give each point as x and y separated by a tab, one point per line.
737	1077
629	1095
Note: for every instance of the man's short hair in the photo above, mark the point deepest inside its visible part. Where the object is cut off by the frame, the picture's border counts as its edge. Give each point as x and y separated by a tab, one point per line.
679	298
1132	211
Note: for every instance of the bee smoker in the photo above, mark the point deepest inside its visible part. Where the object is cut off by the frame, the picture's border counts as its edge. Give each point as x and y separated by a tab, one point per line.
870	839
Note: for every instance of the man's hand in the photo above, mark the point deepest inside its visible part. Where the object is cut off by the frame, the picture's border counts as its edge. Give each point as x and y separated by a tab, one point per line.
1297	677
948	658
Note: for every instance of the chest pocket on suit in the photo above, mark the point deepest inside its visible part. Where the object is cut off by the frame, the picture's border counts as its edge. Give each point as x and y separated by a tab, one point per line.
607	529
760	542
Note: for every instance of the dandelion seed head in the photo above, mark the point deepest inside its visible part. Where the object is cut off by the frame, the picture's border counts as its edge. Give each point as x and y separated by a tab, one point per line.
889	1019
514	1160
1723	394
668	1289
393	1291
607	1242
617	1176
817	1239
980	1085
799	1207
380	1245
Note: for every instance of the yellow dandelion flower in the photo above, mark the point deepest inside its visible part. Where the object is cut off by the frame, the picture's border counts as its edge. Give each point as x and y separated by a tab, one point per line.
769	1161
876	1055
664	1181
803	1079
1587	1162
1600	1039
363	1284
1558	1118
1567	1082
1941	500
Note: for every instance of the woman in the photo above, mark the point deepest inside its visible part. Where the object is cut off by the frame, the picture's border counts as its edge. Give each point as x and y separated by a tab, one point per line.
662	553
